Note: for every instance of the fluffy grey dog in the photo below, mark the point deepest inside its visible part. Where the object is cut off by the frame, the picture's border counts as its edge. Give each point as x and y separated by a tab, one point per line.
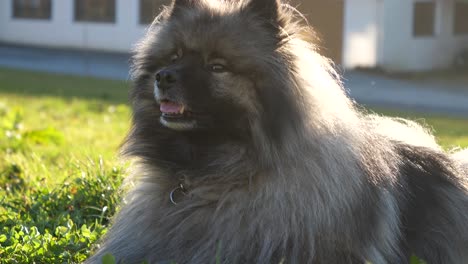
248	150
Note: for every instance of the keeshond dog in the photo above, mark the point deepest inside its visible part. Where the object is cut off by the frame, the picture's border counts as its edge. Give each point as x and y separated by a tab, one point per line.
248	150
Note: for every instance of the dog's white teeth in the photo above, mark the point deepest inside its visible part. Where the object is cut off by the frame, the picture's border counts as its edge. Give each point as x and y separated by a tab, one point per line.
182	109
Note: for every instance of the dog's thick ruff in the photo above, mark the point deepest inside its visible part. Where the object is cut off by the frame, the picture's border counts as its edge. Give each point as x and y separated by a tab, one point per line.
277	164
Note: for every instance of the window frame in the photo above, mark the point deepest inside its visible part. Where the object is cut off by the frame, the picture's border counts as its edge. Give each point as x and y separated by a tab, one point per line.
456	31
15	15
421	32
89	19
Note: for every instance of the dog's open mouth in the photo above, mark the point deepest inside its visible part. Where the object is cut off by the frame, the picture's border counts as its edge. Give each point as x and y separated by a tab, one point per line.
176	116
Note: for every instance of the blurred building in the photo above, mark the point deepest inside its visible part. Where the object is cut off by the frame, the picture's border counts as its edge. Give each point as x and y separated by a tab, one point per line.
395	35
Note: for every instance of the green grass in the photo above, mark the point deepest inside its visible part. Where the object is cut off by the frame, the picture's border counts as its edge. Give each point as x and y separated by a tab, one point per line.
59	170
59	173
450	132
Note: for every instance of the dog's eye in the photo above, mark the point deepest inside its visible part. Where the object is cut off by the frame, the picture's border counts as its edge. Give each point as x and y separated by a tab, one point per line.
174	57
217	68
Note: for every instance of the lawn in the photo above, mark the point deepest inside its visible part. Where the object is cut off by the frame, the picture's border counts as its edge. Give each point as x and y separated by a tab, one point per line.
450	132
59	171
59	168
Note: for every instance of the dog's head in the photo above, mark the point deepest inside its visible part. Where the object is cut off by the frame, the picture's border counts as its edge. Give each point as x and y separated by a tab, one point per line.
216	65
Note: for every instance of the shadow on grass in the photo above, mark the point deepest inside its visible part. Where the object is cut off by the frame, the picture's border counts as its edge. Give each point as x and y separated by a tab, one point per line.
35	84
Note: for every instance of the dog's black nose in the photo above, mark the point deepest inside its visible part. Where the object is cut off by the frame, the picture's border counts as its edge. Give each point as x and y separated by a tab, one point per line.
166	78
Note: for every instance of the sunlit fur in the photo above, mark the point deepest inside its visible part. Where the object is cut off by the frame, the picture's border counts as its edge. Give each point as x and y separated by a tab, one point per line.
301	176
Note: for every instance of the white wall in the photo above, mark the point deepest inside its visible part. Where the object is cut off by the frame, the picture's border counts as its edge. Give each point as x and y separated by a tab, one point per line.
361	33
376	33
63	31
401	51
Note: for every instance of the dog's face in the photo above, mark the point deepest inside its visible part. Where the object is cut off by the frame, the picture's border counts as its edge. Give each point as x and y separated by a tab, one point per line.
210	62
197	90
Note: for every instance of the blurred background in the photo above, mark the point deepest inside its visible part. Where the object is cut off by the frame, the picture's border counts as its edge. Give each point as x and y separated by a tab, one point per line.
423	41
394	35
64	110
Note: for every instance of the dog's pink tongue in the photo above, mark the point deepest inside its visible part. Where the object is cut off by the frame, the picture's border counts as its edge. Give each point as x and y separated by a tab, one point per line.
170	107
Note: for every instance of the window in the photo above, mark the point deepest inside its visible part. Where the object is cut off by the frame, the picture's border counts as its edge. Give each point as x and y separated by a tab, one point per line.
424	19
95	10
149	9
460	23
34	9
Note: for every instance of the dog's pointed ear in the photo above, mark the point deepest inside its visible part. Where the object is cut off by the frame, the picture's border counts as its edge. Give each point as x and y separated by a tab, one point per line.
267	9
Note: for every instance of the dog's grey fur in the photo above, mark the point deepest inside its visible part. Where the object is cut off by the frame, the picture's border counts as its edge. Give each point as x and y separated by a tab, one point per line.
301	177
